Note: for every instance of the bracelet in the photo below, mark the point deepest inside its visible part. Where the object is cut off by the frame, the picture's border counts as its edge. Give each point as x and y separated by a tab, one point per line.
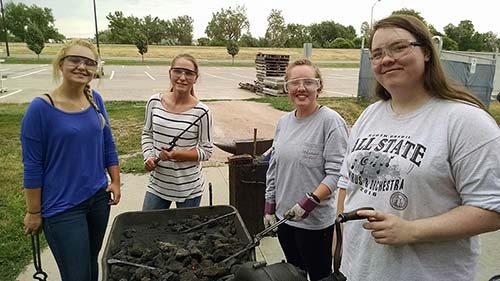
313	196
34	213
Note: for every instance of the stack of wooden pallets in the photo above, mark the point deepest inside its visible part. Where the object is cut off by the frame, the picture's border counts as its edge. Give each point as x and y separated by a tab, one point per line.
270	73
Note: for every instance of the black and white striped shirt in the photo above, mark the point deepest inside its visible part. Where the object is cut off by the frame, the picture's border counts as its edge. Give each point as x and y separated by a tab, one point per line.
176	180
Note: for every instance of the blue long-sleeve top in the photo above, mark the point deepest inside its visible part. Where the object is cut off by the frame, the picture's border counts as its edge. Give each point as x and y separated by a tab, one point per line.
66	153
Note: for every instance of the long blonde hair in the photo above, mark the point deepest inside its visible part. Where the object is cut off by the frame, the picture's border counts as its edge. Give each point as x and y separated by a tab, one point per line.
435	80
56	72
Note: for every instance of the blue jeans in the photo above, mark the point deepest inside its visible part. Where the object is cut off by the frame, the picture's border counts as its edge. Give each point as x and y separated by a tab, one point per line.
153	202
75	237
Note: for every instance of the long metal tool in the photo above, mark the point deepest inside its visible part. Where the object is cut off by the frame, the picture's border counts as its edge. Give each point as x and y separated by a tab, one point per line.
208	222
173	142
39	275
117	261
256	239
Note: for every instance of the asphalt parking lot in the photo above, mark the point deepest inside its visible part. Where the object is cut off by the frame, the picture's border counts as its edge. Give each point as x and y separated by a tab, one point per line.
122	82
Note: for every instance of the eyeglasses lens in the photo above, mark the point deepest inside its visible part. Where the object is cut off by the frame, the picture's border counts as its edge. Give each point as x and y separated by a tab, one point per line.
189	74
78	60
310	84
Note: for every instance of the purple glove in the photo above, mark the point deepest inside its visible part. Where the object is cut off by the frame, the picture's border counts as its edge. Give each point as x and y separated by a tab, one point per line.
302	209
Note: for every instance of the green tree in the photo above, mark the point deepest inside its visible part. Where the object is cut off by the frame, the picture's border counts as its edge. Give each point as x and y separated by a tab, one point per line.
19	16
151	29
325	32
276	33
228	24
105	36
298	34
357	42
410	12
341	43
490	42
34	39
232	48
462	34
121	27
180	29
246	40
416	14
365	31
449	44
141	42
203	41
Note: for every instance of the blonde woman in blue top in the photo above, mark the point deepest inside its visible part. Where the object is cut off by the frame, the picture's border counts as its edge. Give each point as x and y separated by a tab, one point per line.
67	147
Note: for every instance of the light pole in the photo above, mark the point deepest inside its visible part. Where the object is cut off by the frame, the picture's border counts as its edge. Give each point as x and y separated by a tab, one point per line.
97	32
5	30
371	18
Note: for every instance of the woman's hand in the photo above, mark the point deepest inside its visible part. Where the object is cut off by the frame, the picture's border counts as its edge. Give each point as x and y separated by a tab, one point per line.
387	228
32	223
114	188
150	164
166	155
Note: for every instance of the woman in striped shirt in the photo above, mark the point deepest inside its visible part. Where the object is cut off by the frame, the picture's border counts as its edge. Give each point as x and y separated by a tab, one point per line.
177	136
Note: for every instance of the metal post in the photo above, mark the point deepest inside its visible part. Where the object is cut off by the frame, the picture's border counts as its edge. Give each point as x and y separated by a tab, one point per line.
5	30
96	31
371	17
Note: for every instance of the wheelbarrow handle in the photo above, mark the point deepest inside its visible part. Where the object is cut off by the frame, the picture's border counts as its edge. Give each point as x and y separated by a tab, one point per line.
352	215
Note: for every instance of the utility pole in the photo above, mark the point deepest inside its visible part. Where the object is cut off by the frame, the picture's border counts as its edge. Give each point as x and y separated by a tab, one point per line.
5	30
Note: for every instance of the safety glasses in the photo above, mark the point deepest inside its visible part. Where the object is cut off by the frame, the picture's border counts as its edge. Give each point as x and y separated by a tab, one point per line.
177	72
395	50
310	84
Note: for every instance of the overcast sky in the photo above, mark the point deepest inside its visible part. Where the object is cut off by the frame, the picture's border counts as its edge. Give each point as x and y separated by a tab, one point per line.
75	18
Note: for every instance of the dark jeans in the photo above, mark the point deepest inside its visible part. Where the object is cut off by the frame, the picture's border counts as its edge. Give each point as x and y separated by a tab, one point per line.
309	250
75	237
153	202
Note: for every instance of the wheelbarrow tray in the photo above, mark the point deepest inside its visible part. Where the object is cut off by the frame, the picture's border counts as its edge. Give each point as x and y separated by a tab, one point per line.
141	219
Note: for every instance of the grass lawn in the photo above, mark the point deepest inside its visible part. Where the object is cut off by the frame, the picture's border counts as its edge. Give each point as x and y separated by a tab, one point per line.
126	119
156	52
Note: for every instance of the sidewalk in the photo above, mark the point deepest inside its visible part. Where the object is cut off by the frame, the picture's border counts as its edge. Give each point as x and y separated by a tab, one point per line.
133	189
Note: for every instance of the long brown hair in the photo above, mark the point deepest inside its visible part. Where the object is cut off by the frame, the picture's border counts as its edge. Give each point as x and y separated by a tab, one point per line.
56	72
193	61
435	79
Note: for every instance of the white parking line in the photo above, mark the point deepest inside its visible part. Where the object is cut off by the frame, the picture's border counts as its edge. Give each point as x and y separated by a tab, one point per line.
152	78
13	93
147	66
27	74
220	77
243	76
112	74
4	69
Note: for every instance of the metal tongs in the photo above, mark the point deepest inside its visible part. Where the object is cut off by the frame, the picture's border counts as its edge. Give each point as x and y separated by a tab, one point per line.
117	261
256	239
208	222
173	142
